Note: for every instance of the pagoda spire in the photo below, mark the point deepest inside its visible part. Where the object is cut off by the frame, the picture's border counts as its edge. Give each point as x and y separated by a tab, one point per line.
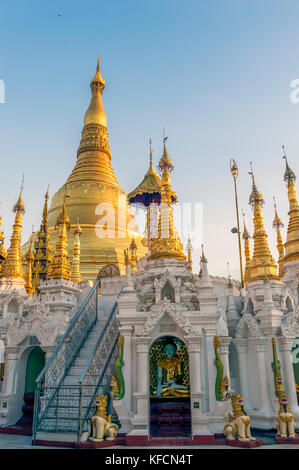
42	248
246	237
262	264
59	267
292	242
189	254
76	276
168	243
2	249
29	258
94	156
12	266
277	225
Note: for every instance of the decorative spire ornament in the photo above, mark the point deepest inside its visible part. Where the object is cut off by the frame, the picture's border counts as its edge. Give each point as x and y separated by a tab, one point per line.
246	237
59	267
76	276
189	249
12	265
29	258
42	248
262	264
292	241
168	243
277	225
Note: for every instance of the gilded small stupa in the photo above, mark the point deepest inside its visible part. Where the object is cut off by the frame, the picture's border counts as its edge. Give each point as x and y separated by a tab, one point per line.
60	266
167	244
262	264
96	197
13	265
42	248
292	242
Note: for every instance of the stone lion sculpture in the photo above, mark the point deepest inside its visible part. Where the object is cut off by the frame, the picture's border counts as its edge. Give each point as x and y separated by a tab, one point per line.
101	425
238	426
285	421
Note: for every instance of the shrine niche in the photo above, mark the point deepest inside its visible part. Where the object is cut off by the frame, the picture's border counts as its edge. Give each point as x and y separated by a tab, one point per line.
169	388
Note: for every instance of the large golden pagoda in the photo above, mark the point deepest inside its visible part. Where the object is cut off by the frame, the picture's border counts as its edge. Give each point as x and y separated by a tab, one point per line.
95	196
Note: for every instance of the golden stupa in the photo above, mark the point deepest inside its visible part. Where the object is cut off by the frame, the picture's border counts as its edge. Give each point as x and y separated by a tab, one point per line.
95	197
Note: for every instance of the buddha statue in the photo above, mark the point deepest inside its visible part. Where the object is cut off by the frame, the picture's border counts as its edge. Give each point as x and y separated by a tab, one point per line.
170	374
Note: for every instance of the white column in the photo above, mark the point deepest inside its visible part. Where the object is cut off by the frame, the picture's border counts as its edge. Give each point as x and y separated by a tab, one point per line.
260	346
224	353
126	332
11	360
140	419
285	356
242	350
211	367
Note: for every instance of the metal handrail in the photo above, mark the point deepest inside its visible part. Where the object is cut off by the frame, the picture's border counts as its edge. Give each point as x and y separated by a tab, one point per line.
67	332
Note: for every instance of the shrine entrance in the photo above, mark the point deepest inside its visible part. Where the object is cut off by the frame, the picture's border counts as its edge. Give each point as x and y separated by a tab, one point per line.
35	364
170	408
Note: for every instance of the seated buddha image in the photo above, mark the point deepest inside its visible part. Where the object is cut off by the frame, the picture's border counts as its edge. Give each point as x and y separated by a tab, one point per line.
170	374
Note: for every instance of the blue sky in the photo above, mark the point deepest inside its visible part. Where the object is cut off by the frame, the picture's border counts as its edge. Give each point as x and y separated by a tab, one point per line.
216	74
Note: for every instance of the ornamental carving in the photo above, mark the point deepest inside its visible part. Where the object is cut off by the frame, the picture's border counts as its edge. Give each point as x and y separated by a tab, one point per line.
249	325
290	324
174	311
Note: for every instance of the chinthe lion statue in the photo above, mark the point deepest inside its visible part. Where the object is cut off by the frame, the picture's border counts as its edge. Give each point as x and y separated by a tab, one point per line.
238	426
285	421
101	425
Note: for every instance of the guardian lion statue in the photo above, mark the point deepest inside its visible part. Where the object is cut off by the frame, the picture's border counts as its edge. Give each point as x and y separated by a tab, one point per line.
285	421
101	425
238	426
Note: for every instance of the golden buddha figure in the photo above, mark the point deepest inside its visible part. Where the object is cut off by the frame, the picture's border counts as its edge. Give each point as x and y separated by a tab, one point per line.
170	374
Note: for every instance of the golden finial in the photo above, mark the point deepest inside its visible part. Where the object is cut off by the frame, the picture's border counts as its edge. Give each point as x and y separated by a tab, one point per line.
43	248
12	265
189	249
133	256
151	152
246	237
292	241
30	259
262	263
75	272
229	278
95	113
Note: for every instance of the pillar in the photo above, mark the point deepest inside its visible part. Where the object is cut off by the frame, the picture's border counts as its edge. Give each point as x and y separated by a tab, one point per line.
224	352
285	357
126	332
141	395
11	360
242	350
259	373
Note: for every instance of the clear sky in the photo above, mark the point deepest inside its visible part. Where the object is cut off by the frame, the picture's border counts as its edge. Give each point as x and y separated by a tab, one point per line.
216	74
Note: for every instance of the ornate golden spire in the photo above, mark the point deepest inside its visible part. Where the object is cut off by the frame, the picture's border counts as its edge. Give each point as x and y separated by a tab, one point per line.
29	258
59	267
2	249
189	252
246	237
133	256
277	225
168	243
12	266
93	160
262	264
43	248
292	242
76	276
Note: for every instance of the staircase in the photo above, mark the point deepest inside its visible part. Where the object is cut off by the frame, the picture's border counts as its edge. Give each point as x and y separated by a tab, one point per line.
78	371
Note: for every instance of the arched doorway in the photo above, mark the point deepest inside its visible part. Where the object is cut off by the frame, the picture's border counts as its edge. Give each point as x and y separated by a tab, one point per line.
110	270
170	409
35	364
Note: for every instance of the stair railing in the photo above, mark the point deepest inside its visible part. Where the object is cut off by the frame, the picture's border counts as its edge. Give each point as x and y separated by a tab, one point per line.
62	358
95	377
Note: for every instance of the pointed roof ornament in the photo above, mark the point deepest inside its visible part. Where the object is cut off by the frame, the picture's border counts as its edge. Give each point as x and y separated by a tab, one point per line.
97	81
245	234
165	161
203	259
277	222
255	195
229	277
289	174
95	113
